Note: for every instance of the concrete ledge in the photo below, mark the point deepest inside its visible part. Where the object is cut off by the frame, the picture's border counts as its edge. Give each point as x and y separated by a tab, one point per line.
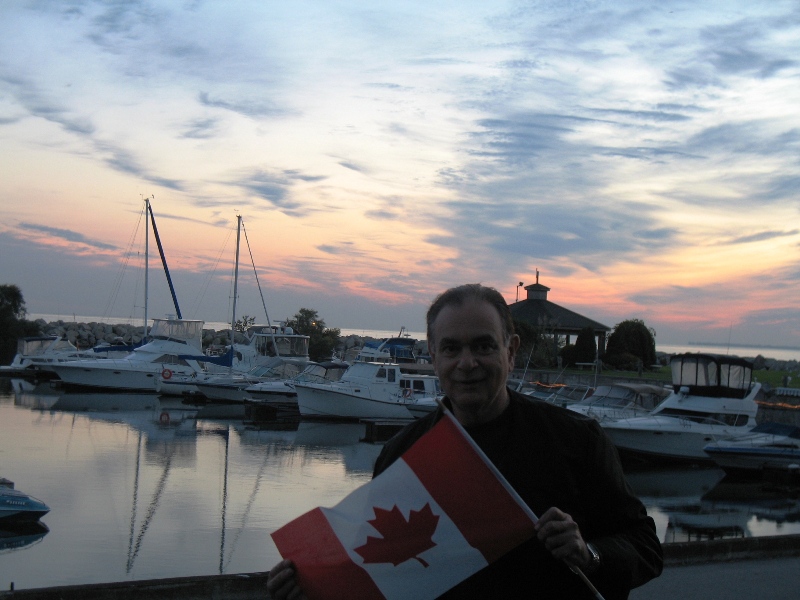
212	587
688	553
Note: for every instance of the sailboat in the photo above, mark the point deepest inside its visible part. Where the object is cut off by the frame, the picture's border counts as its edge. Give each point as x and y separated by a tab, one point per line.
269	352
162	354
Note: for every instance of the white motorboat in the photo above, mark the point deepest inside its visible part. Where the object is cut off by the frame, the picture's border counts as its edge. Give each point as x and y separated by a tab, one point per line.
36	354
257	355
713	397
282	390
621	401
398	349
767	446
366	390
560	395
18	507
170	340
233	388
423	405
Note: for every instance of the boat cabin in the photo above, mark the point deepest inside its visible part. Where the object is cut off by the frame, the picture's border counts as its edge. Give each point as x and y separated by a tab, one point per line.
712	375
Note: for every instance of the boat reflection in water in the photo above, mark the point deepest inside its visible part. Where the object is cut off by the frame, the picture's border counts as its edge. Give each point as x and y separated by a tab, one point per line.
21	535
695	504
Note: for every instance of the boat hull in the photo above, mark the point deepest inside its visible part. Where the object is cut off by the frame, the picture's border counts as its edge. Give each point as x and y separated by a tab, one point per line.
661	439
276	392
124	375
334	404
16	507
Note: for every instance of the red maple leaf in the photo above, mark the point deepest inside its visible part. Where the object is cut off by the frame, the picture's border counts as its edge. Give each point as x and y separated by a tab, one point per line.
402	540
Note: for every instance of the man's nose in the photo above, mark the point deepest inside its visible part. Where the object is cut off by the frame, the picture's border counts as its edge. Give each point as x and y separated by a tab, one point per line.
466	359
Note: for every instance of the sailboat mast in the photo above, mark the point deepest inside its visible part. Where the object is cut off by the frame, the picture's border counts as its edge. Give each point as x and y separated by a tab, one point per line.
146	266
235	284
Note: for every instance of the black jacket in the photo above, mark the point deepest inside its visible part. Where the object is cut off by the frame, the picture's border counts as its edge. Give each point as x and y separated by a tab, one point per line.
555	457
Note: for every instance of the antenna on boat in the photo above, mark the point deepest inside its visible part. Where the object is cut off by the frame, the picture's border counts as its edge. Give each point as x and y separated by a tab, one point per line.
146	265
730	329
235	286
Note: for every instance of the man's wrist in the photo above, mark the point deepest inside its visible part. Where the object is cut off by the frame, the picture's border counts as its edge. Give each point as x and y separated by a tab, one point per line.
594	559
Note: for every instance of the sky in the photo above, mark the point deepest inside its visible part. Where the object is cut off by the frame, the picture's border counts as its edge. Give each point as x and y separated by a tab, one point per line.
642	157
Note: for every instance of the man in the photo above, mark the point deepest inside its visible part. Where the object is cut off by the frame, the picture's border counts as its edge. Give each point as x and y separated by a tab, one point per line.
560	463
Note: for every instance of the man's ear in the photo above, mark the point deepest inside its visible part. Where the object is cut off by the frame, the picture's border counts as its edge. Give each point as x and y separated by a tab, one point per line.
513	346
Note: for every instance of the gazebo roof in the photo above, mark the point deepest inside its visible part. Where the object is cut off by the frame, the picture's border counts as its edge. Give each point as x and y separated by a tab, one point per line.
538	309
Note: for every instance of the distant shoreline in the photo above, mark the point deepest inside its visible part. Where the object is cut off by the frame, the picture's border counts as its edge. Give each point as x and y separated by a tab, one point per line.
792	348
778	353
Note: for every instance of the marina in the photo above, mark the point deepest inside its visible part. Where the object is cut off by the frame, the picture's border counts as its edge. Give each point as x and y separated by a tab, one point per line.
139	487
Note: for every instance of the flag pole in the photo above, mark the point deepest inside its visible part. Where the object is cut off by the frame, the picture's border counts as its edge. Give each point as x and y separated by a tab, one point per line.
448	413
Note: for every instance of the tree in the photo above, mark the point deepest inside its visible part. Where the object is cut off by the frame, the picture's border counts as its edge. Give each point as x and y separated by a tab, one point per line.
12	322
631	345
322	340
583	351
242	324
585	346
12	305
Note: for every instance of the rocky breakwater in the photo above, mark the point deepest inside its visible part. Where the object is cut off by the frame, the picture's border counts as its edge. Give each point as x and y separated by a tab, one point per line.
89	335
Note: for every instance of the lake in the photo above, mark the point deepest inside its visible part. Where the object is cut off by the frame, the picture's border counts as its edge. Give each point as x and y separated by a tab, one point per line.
139	488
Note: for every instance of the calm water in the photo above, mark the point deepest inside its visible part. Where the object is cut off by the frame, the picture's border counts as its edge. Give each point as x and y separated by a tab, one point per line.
142	488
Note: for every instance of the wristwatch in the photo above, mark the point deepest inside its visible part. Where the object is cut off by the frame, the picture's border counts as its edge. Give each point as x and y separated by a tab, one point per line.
594	563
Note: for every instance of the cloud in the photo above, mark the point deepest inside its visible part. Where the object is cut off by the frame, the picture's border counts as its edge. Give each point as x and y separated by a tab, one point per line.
200	129
762	236
124	161
276	187
37	104
247	107
341	249
67	235
353	166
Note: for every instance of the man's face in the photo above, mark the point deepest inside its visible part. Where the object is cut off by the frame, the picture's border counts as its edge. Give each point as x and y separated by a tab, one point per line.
472	360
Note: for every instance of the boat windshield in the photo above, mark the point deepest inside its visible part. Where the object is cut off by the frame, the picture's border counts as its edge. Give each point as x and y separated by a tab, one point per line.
190	332
34	345
712	375
606	395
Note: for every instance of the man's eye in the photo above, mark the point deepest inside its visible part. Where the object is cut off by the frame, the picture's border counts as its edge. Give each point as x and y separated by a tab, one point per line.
485	348
449	349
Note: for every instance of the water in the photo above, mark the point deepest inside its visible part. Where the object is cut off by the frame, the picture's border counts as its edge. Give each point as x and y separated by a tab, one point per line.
153	492
140	488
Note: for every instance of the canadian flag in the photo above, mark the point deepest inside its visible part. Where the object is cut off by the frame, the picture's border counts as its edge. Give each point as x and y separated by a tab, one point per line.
439	514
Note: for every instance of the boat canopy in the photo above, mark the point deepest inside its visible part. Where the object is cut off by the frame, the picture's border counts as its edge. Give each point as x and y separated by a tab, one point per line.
190	332
34	344
712	375
398	349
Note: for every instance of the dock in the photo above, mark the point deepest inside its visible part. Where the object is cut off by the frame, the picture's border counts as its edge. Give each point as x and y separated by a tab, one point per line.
381	430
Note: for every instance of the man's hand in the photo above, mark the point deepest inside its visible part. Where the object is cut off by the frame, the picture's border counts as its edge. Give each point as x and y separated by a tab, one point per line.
282	584
562	538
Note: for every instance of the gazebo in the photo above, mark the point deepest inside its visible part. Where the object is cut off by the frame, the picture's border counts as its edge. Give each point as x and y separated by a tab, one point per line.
537	311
